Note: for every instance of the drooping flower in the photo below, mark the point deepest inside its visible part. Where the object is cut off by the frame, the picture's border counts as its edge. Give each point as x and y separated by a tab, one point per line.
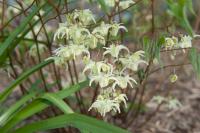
132	62
105	105
71	51
185	42
123	81
173	78
102	29
126	3
59	61
174	103
158	99
119	97
102	78
170	42
62	32
84	17
110	3
114	50
115	27
98	67
33	50
79	34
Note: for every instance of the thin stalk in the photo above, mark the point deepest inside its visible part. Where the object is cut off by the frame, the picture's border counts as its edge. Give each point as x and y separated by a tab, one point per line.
22	88
50	51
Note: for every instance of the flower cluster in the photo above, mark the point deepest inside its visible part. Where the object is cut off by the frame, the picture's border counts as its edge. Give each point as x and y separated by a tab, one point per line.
106	102
113	77
173	42
172	103
111	72
176	43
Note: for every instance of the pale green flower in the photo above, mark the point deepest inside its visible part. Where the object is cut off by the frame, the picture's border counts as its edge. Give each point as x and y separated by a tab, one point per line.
173	78
174	103
185	42
132	62
171	42
59	61
91	41
76	33
115	27
101	39
91	65
121	98
33	50
98	67
102	29
109	101
102	78
126	3
114	50
79	34
71	51
105	105
159	99
62	32
110	3
84	17
137	55
123	81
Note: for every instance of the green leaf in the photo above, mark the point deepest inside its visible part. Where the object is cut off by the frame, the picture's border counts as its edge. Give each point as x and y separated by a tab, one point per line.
76	120
195	60
23	76
179	11
39	105
6	44
103	5
53	98
14	108
190	6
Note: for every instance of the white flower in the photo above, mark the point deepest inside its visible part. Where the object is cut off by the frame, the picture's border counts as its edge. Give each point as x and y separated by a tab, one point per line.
170	42
185	42
137	55
84	17
102	78
91	41
62	32
108	101
59	61
174	103
79	34
33	50
98	67
71	51
102	29
173	78
132	62
115	28
158	99
123	81
126	3
114	50
91	65
105	105
121	98
110	3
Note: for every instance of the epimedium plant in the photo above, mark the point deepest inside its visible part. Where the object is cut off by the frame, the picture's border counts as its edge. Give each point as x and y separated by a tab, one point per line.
92	51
